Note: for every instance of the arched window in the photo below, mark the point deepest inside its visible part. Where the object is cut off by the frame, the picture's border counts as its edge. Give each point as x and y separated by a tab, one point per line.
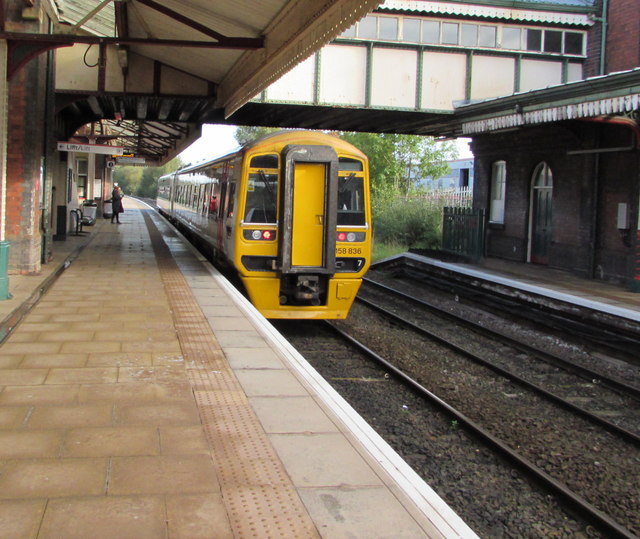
542	177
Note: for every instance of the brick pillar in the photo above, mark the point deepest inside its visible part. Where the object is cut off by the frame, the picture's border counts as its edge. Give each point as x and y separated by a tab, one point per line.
24	157
25	147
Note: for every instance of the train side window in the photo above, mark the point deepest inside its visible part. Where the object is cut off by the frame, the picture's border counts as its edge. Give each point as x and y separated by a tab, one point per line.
230	204
262	197
222	199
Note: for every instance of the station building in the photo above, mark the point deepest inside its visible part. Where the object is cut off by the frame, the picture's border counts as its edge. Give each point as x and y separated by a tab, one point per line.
558	169
556	158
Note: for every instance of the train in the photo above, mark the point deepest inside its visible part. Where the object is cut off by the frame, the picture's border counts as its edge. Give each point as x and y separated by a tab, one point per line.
290	212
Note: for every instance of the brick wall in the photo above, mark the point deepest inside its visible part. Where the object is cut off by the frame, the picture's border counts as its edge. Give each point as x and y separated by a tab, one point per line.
579	200
623	36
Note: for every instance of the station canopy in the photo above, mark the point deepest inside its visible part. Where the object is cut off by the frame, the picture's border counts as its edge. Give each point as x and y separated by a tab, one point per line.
236	48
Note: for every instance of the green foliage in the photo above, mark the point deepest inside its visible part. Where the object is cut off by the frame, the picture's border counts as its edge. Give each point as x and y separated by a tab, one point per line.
397	162
411	222
143	182
248	133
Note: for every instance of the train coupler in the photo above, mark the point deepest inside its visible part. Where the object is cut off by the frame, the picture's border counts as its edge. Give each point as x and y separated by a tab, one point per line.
301	290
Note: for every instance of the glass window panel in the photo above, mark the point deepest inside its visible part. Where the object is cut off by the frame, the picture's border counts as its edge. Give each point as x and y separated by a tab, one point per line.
262	196
498	187
487	36
552	41
388	28
534	40
573	43
469	35
512	38
450	33
351	200
411	30
347	163
351	32
367	28
264	161
430	32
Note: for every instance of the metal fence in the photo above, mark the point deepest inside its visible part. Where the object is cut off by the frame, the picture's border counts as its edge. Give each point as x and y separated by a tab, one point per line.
463	232
459	198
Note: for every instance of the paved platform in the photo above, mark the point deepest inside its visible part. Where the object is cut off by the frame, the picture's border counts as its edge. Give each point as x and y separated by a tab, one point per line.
556	284
143	397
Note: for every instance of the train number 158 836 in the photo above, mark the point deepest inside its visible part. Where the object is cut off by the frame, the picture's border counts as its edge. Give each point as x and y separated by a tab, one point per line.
341	251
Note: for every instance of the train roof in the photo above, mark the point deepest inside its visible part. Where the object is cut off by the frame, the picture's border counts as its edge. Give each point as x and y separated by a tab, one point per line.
302	136
279	138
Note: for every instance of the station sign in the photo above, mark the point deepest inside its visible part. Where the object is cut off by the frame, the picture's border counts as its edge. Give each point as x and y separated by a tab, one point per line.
126	160
90	148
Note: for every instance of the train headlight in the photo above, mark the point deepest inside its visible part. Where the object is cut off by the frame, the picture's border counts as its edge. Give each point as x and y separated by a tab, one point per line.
259	235
350	236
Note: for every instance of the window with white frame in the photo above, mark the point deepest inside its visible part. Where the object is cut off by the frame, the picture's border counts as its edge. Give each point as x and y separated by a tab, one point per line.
450	33
498	188
82	176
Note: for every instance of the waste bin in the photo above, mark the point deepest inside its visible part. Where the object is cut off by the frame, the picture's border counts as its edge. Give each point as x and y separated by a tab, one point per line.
89	211
107	209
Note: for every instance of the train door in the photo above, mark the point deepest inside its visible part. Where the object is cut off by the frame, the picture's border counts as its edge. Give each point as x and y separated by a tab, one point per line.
308	202
307	239
541	224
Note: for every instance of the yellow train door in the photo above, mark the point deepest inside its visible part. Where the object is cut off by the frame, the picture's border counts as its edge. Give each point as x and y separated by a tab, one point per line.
309	201
307	241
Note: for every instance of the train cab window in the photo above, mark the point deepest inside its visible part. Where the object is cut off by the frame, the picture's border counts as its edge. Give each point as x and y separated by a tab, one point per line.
262	197
264	161
350	194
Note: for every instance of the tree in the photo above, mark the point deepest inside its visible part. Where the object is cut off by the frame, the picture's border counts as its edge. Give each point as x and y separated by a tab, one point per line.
143	182
398	162
248	133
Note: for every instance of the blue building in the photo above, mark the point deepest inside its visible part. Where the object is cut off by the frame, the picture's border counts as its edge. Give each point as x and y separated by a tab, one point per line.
460	176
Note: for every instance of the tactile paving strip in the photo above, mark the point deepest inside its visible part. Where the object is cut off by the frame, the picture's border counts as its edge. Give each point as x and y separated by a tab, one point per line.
258	494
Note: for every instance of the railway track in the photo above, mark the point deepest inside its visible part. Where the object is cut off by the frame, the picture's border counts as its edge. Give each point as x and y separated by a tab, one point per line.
605	400
582	466
597	331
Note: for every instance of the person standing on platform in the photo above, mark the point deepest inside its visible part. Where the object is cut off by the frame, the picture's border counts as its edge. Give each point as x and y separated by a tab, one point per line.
116	203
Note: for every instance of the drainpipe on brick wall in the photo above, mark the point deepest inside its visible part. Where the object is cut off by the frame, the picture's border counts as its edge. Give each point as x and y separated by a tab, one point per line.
603	35
635	283
4	111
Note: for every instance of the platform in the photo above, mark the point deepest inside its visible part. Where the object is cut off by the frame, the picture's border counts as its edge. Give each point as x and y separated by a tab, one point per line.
551	283
141	396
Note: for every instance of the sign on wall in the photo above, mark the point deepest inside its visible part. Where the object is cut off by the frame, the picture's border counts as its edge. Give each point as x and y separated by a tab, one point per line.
90	148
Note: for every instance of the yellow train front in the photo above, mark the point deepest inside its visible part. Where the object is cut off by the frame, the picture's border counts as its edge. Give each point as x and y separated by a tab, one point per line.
291	212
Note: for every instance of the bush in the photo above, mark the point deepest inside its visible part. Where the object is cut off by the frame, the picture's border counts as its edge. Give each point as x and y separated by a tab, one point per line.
413	222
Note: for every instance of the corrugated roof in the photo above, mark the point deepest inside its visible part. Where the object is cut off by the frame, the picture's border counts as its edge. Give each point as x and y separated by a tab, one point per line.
574	12
102	23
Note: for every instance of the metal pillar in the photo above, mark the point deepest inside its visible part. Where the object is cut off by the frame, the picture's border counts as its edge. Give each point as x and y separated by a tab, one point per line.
4	111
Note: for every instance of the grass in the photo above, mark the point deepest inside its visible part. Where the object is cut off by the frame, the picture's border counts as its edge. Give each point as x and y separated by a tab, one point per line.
385	250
